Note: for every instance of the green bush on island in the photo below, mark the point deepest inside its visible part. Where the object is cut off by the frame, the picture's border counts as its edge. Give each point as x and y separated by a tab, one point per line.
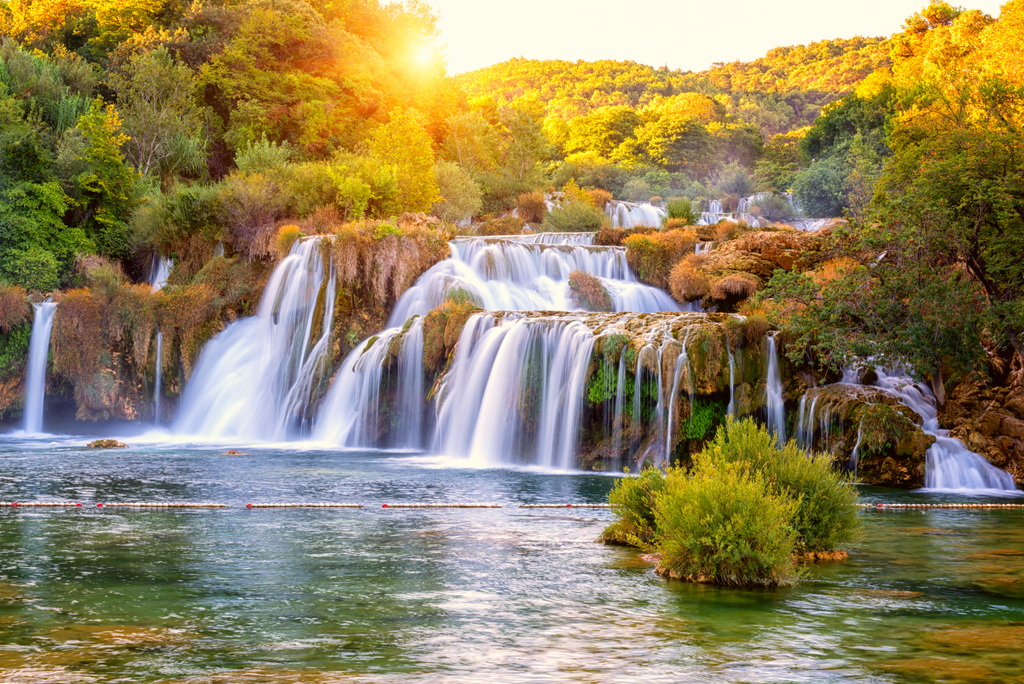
742	514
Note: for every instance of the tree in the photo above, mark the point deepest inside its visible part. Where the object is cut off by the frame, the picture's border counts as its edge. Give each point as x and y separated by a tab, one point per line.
676	143
37	251
102	186
157	97
404	144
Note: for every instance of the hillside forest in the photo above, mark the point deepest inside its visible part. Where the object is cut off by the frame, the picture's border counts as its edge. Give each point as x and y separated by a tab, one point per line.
217	132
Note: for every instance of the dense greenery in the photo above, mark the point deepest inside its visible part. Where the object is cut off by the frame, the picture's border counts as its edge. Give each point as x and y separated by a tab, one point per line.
928	162
741	513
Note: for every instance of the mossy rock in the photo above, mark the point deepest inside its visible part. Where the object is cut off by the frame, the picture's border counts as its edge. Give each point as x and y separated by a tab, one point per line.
106	444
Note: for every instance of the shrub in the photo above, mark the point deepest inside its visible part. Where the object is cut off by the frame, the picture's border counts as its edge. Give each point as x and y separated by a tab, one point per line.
461	198
774	208
599	197
722	523
755	328
250	205
686	283
652	255
500	192
35	268
826	513
508	225
575	216
609	237
15	308
735	287
632	500
588	293
286	236
682	209
532	207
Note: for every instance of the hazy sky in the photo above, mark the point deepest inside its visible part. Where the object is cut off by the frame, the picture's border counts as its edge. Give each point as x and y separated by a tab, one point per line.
684	34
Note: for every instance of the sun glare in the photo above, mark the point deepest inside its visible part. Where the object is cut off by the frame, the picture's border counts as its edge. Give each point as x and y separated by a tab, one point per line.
424	55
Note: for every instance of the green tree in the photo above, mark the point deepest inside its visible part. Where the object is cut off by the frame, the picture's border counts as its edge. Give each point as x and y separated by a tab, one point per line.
157	98
99	181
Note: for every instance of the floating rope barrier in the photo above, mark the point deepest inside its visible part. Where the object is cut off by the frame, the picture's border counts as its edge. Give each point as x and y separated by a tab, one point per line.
440	505
133	504
303	505
41	504
565	505
902	506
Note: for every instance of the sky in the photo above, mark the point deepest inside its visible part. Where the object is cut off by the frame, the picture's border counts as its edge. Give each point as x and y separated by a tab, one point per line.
683	34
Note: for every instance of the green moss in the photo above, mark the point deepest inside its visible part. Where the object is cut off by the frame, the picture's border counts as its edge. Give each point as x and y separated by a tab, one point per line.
705	415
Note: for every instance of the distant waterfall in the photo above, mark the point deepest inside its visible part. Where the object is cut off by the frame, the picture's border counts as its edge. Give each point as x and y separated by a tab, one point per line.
948	463
255	380
631	214
157	279
38	352
528	275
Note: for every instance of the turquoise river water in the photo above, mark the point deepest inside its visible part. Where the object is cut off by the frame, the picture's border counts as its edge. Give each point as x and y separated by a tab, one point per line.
455	595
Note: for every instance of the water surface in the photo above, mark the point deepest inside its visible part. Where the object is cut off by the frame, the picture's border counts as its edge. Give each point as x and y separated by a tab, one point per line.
455	595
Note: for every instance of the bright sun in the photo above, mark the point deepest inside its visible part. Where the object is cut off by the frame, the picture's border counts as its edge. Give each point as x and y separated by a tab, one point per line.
425	55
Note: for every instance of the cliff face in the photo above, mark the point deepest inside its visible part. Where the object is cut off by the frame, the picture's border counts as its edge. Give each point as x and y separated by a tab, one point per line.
990	421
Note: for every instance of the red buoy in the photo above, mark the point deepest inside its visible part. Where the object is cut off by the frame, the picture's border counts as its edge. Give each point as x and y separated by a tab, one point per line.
384	506
14	504
99	505
79	505
248	505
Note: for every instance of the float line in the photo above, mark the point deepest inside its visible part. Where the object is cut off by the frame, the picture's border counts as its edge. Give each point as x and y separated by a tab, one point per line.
303	505
565	505
440	505
898	506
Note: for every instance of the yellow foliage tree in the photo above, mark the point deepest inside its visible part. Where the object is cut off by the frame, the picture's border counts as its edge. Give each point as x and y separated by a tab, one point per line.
404	144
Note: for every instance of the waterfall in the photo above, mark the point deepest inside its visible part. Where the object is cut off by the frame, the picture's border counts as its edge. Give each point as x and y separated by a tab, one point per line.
515	391
255	380
159	376
352	411
633	214
948	463
774	400
527	274
731	409
38	353
161	271
682	365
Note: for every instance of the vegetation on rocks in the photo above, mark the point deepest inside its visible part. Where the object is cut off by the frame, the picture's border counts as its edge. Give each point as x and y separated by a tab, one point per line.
588	293
741	514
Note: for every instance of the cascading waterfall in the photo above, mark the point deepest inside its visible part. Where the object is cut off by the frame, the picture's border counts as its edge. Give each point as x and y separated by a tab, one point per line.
948	463
516	387
157	280
525	274
633	214
38	354
775	401
352	412
255	380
